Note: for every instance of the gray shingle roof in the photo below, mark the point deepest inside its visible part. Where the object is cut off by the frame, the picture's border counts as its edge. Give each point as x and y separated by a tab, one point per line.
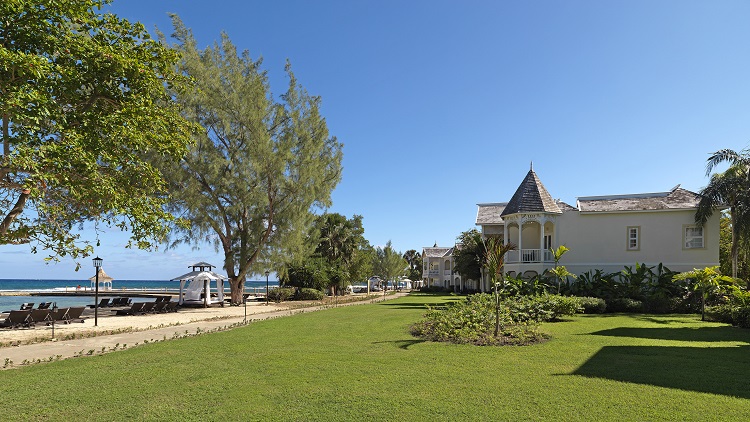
436	252
677	198
531	196
490	213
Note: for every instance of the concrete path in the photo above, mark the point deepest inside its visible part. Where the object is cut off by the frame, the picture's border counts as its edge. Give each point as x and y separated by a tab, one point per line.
18	356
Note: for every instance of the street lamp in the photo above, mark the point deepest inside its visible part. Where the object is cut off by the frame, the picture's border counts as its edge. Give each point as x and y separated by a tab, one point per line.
54	316
244	297
266	287
97	266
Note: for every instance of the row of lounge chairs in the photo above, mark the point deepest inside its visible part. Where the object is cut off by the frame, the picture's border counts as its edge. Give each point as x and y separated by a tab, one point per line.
31	317
118	301
143	308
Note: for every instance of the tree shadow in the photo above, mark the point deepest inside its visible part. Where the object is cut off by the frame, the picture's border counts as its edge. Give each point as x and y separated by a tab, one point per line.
716	370
707	334
403	344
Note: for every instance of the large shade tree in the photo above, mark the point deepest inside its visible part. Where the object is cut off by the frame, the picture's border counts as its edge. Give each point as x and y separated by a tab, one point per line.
83	95
730	188
414	261
260	165
340	242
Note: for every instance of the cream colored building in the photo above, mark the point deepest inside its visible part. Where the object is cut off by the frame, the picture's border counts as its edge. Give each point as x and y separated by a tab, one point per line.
437	268
602	232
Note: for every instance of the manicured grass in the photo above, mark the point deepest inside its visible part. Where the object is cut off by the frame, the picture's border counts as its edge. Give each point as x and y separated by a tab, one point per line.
361	363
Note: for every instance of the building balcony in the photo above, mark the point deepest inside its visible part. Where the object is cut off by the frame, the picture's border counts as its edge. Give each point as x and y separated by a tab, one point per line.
431	273
528	256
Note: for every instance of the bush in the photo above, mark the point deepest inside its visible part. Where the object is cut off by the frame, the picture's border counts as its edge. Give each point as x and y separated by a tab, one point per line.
593	305
280	294
625	305
308	294
473	321
542	308
662	305
720	313
741	316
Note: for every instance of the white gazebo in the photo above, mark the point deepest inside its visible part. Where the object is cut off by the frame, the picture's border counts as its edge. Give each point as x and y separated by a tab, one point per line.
105	281
199	290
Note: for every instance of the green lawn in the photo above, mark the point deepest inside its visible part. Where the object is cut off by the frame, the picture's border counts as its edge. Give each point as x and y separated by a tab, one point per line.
360	363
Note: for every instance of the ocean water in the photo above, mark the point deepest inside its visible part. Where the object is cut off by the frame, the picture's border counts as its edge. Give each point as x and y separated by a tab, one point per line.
118	286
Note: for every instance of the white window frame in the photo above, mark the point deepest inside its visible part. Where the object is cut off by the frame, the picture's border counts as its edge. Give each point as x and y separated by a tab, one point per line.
687	240
630	238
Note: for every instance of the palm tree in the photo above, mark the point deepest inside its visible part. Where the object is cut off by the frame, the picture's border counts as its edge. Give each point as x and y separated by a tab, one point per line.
560	272
731	188
494	262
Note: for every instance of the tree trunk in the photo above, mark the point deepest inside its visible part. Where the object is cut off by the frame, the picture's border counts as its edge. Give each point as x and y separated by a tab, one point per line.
735	246
237	288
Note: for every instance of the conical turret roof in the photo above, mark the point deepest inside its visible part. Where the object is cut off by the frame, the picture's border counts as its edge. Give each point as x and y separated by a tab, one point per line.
531	196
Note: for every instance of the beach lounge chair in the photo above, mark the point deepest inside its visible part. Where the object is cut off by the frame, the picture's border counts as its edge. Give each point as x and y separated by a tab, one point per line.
147	307
103	303
17	319
121	301
135	308
27	306
39	315
159	307
58	315
171	307
44	305
74	314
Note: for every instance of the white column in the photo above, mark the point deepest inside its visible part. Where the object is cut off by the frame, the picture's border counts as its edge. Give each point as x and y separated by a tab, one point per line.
520	241
541	241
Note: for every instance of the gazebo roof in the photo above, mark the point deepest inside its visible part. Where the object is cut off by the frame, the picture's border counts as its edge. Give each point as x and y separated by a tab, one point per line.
192	274
102	276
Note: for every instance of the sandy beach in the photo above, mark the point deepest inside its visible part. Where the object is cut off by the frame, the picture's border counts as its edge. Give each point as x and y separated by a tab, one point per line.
110	323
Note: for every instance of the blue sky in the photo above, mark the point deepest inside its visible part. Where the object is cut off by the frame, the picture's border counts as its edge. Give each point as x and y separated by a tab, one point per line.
443	104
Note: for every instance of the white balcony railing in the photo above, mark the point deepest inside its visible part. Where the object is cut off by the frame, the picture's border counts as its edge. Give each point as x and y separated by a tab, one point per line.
526	256
447	272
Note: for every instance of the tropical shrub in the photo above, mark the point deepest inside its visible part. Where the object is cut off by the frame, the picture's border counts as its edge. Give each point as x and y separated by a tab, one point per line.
473	319
308	294
624	305
593	305
280	294
433	289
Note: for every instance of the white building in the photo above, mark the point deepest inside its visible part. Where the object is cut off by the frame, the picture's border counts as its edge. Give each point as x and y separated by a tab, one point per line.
437	268
602	232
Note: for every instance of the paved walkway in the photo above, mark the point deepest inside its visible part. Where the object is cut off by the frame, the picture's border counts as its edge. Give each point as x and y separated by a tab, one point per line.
16	356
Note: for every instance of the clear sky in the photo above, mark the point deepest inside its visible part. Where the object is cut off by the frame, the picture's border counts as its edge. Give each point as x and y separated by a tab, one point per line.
443	104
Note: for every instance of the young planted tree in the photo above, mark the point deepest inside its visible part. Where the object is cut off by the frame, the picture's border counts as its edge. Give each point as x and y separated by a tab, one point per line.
82	96
706	280
340	240
560	272
258	168
494	263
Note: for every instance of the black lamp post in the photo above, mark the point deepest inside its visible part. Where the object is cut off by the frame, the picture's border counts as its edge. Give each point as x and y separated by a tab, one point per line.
266	287
244	297
97	266
54	315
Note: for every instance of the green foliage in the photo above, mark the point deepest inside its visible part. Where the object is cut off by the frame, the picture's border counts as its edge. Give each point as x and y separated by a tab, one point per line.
707	281
593	305
469	255
309	294
258	168
388	263
83	106
624	304
311	273
281	294
730	188
473	320
414	261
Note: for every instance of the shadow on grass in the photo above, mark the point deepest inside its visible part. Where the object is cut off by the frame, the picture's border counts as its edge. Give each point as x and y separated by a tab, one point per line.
707	334
403	344
716	370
